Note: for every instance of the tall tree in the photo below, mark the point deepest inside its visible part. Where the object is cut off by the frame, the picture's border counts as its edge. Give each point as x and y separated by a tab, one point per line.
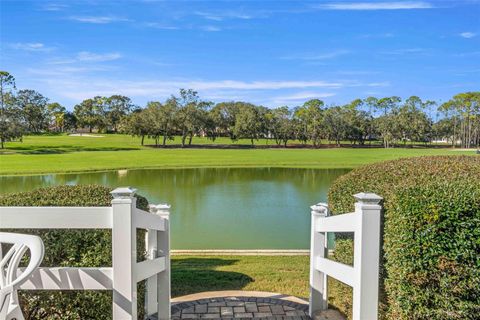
90	113
250	122
57	115
11	126
309	119
386	122
413	123
137	124
189	113
33	106
359	126
335	123
117	107
162	118
466	108
224	116
280	125
70	122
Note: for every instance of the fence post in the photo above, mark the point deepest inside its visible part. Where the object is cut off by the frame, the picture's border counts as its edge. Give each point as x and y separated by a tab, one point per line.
366	256
318	248
124	255
151	305
163	278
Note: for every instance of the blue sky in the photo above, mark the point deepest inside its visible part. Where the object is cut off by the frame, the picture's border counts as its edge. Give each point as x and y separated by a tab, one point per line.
268	52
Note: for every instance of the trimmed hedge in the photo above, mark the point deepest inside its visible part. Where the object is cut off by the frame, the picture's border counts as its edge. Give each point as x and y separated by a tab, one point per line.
431	241
72	248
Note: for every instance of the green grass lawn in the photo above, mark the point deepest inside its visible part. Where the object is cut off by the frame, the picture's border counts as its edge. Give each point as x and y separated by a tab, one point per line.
56	154
280	274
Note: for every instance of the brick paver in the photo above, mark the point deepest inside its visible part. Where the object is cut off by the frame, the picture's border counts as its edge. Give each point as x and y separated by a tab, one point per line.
240	308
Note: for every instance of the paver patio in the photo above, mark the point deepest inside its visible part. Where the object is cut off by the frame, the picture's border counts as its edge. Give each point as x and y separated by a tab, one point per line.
239	308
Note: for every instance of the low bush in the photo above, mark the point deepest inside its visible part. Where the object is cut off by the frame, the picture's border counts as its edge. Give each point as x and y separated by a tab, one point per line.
431	266
72	248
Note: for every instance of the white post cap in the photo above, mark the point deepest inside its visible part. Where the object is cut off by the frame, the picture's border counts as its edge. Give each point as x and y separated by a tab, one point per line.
367	198
320	208
123	193
159	208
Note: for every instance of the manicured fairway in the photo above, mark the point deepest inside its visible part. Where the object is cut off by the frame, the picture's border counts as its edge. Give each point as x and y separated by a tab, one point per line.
55	154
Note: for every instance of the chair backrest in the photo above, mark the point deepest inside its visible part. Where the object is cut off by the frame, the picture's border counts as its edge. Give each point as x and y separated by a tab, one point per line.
9	262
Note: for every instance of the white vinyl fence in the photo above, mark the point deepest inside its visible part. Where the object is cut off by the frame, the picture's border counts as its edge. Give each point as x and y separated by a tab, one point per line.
124	219
363	276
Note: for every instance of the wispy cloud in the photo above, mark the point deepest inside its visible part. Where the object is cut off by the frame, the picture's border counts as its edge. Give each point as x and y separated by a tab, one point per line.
356	72
81	81
376	35
223	15
467	54
31	46
468	35
96	57
260	85
395	5
162	26
98	19
85	56
210	28
318	56
63	71
404	51
53	6
300	97
159	25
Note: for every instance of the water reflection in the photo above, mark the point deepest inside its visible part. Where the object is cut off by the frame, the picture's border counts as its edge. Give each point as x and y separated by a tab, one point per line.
258	208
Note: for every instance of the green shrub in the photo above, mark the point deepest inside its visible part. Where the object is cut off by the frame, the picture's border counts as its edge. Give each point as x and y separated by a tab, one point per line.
431	265
72	248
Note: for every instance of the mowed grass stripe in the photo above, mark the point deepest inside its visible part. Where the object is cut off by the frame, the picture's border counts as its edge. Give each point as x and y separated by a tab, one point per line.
15	164
63	153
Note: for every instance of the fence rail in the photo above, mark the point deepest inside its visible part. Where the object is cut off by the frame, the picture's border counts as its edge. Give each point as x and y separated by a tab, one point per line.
123	218
363	275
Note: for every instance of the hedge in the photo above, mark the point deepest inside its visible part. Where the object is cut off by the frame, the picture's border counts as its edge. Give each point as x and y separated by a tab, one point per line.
431	235
72	248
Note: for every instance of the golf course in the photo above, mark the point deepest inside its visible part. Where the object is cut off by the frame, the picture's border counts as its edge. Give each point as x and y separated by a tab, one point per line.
39	154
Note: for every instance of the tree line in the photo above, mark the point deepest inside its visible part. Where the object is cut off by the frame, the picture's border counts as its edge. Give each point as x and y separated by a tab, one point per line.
391	120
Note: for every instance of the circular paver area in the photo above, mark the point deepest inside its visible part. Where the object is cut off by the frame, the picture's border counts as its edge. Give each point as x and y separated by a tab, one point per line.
240	308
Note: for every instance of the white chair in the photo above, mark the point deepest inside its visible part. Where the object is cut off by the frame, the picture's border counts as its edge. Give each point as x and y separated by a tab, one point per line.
9	279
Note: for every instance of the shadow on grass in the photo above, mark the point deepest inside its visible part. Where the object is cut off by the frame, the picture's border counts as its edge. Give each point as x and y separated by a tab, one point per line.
193	275
60	149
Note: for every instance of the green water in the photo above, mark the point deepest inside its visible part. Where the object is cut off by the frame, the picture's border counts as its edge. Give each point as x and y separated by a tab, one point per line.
261	208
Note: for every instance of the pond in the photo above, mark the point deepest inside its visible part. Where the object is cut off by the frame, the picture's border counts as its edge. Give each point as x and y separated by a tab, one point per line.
258	208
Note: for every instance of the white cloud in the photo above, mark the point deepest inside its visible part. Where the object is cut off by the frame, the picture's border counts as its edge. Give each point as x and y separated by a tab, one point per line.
404	51
31	46
356	72
63	71
376	35
468	35
96	57
84	56
300	97
319	56
220	16
467	54
210	28
77	84
395	5
98	19
158	25
54	7
259	85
